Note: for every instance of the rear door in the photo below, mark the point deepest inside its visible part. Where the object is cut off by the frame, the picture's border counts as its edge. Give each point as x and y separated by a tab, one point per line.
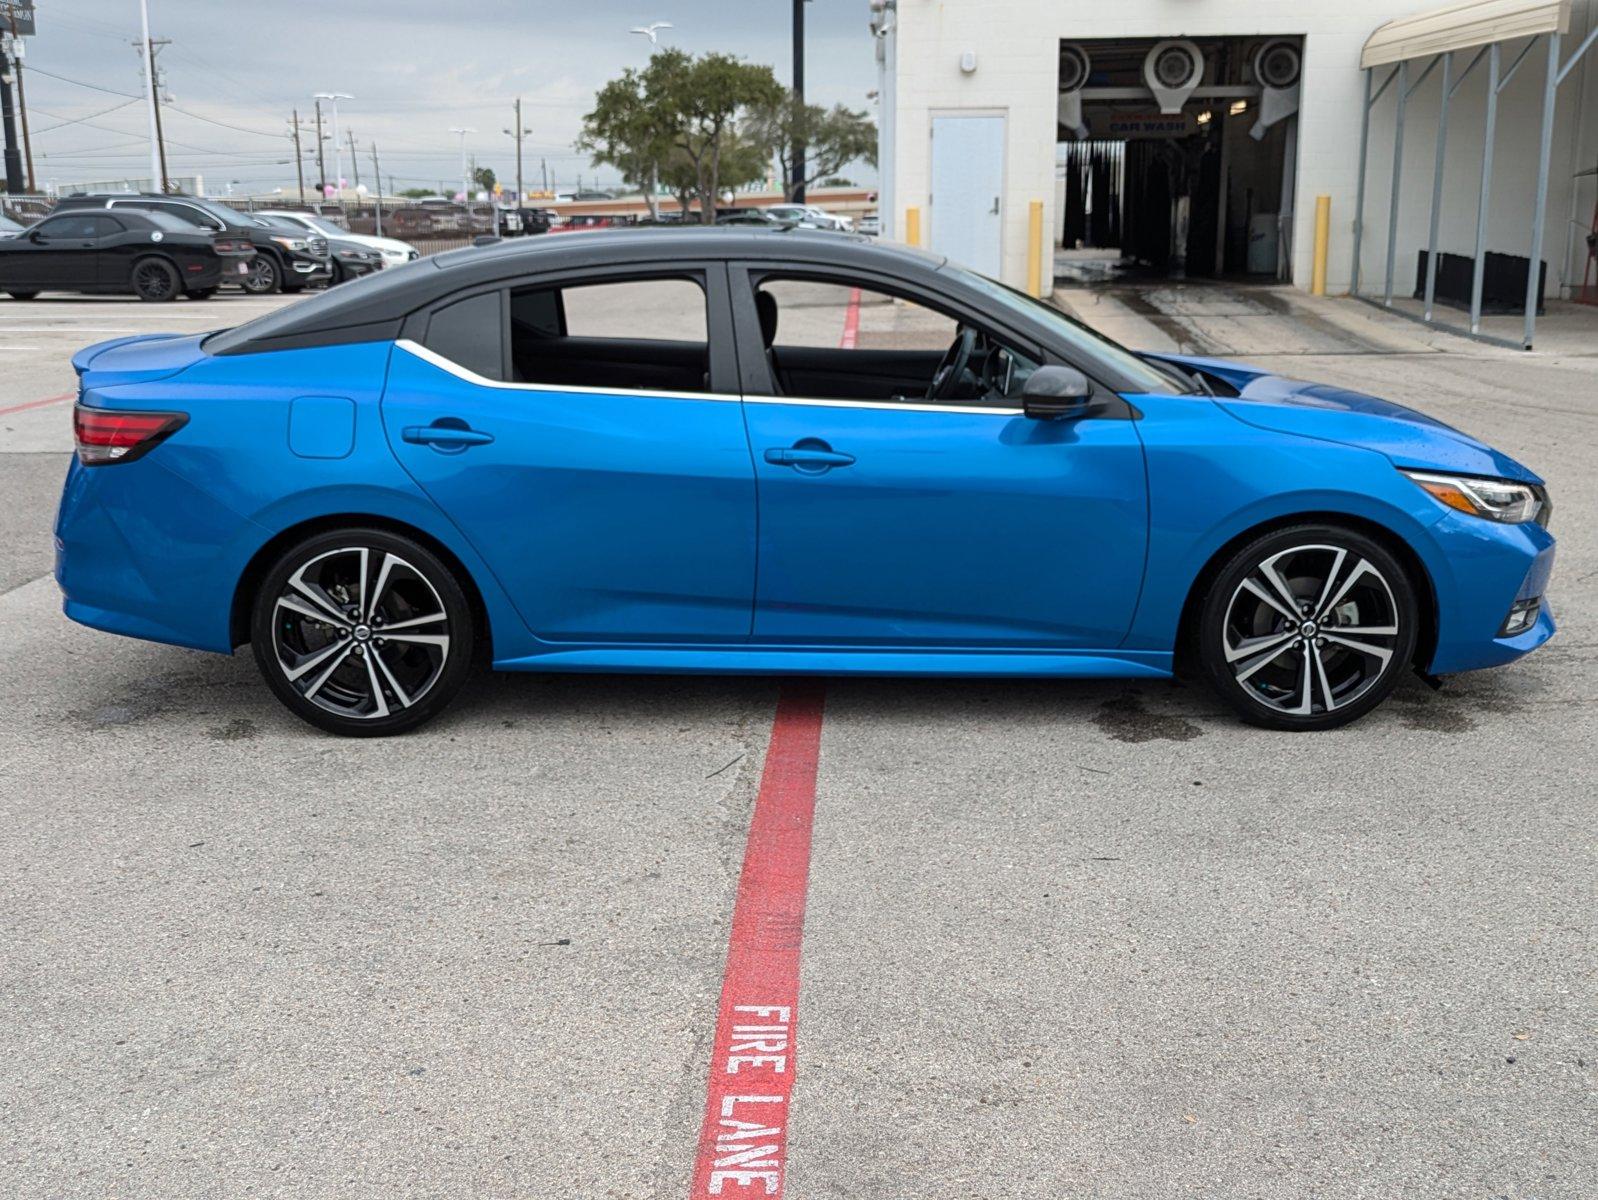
585	434
58	252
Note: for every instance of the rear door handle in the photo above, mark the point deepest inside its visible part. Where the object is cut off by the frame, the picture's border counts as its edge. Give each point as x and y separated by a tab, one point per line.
808	457
453	436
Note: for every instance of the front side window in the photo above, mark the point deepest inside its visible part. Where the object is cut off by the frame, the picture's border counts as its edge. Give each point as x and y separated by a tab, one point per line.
829	340
81	226
646	334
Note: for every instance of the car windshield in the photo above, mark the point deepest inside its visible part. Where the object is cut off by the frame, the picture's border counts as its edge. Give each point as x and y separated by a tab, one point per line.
327	227
1147	377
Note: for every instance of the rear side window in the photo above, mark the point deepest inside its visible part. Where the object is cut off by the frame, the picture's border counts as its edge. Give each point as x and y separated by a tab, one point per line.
470	333
636	335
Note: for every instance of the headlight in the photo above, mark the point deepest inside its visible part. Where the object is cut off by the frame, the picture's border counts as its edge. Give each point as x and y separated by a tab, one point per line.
1495	499
288	243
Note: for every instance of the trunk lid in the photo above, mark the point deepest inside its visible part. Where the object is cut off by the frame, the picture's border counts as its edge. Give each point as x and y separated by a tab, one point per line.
137	359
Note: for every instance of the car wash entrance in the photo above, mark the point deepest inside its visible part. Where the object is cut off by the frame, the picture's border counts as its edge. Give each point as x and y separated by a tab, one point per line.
1179	153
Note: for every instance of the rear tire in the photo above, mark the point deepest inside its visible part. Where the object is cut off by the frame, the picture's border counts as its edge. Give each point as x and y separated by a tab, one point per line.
23	295
362	632
1307	628
155	280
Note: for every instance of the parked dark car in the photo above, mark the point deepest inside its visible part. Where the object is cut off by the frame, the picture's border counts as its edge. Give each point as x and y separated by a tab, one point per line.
153	255
351	260
750	216
286	258
535	220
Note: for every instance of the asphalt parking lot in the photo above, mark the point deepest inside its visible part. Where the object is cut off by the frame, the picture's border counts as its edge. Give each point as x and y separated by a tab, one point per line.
1061	939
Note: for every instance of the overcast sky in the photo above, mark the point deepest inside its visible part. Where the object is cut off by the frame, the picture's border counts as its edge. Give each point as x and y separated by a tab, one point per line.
415	69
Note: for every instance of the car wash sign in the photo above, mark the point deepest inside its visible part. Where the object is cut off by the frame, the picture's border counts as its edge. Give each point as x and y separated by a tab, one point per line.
16	16
1128	126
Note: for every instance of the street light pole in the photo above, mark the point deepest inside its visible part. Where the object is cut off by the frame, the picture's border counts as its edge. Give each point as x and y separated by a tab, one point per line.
799	96
466	179
149	91
338	147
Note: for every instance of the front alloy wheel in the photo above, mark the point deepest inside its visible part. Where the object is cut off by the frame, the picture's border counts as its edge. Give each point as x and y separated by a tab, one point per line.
261	278
1308	628
362	632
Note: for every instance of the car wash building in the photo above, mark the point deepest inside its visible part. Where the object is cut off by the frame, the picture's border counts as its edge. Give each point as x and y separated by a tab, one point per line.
1443	149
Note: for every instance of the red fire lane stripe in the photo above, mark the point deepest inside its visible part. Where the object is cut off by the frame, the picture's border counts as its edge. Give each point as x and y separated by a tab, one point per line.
37	403
851	321
743	1142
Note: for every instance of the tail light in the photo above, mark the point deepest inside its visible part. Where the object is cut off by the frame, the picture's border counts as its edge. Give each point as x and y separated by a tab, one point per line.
231	246
104	436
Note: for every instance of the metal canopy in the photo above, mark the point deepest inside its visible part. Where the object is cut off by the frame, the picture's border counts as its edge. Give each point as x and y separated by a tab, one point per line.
1461	26
1439	35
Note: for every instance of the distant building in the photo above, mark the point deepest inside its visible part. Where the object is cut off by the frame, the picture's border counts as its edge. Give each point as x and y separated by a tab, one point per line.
1132	121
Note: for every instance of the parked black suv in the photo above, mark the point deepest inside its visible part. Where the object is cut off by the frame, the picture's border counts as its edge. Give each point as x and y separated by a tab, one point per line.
286	257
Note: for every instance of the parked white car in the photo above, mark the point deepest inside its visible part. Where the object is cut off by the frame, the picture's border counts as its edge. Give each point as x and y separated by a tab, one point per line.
394	252
809	214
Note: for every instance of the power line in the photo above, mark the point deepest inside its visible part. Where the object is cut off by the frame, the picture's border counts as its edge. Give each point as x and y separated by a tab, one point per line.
80	83
61	124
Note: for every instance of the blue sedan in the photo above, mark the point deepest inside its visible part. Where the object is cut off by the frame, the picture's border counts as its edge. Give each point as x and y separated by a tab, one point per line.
772	452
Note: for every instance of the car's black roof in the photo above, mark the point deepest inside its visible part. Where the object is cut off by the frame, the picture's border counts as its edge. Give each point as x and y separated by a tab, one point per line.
374	307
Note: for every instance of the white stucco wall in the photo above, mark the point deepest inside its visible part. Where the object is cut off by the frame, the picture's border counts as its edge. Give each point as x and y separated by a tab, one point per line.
1016	44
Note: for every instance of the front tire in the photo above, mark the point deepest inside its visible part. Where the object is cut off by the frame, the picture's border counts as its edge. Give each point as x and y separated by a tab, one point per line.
1307	628
155	280
362	632
263	277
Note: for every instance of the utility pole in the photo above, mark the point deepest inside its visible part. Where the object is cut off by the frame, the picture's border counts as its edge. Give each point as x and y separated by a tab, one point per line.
13	157
299	163
799	96
17	49
321	162
520	134
355	160
377	174
543	165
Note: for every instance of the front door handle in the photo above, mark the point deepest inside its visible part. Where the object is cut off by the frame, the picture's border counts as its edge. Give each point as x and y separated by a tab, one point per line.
448	434
809	456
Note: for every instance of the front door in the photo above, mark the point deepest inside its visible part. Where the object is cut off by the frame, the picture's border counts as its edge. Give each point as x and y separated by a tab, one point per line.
59	252
967	203
573	434
906	501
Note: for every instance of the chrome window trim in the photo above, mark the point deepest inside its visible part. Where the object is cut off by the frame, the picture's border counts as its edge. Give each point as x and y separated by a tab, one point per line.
460	372
438	360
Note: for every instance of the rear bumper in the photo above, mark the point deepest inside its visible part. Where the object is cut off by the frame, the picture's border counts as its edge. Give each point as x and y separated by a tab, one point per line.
142	552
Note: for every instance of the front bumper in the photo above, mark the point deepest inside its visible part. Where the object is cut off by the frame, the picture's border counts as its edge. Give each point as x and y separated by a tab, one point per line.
1488	569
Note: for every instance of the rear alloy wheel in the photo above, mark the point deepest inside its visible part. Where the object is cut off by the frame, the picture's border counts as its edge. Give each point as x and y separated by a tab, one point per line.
262	277
155	280
1308	628
362	632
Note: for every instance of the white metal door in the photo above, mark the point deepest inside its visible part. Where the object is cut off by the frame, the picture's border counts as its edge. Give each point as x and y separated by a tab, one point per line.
967	204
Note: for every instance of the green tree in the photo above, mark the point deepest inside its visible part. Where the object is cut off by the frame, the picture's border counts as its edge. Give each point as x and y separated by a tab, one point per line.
416	193
702	101
626	130
483	178
832	138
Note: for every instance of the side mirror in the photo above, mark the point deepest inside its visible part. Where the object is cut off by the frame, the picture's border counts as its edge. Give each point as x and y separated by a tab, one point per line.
36	237
1052	393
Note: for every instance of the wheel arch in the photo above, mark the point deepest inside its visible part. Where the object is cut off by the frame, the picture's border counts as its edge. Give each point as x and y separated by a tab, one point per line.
1400	548
261	561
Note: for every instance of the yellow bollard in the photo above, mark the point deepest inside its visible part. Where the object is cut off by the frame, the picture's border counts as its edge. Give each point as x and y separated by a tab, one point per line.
1034	249
912	226
1323	235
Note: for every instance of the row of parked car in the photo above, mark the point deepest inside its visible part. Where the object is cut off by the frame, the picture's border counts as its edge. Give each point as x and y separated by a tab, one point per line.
160	247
